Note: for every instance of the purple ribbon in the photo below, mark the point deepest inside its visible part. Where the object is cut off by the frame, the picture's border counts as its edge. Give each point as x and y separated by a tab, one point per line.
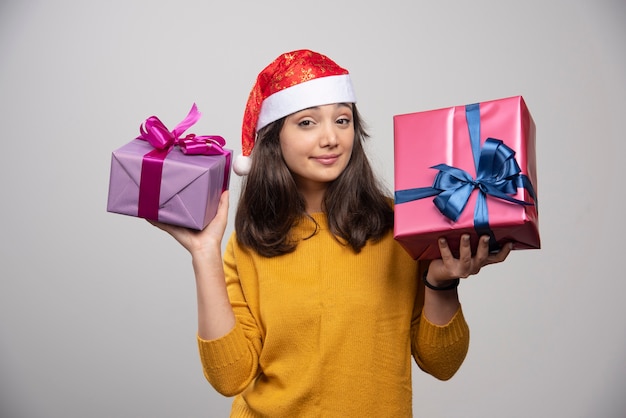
163	141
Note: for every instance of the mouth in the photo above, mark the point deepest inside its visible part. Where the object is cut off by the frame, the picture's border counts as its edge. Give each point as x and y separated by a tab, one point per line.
327	159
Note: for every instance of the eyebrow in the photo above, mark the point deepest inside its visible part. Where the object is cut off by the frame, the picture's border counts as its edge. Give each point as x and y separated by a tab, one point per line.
341	104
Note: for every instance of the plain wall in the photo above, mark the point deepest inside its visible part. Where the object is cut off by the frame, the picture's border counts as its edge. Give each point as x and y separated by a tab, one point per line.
97	310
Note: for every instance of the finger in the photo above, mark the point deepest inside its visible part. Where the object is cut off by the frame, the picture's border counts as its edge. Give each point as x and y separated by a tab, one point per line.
217	226
169	228
500	255
465	252
160	225
444	249
222	207
482	252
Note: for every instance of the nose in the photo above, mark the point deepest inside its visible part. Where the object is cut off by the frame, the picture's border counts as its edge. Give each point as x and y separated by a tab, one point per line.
328	137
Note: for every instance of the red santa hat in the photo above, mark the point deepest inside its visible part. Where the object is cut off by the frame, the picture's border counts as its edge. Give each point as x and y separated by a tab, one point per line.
294	81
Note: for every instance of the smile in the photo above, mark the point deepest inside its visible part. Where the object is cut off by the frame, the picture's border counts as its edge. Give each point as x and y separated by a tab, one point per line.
326	159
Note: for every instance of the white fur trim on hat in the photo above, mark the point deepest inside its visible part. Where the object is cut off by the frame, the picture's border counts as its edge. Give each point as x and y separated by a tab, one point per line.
315	92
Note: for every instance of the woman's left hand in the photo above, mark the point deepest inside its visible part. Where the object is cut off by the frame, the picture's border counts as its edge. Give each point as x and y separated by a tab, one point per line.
448	267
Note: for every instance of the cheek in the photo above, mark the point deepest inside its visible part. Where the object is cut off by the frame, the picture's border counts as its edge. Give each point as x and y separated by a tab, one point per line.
290	155
296	146
349	145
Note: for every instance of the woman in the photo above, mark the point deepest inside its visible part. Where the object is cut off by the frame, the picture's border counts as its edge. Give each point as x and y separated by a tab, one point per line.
315	309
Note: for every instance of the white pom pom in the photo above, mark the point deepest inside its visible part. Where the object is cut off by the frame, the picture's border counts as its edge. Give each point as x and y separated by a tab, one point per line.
241	165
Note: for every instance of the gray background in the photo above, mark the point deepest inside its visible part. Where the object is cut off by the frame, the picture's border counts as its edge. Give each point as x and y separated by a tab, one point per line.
97	310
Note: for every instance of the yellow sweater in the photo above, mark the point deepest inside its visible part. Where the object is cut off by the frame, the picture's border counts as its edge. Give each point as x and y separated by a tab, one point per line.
325	332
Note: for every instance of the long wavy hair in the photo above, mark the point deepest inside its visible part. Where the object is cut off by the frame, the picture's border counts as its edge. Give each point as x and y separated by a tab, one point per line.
270	204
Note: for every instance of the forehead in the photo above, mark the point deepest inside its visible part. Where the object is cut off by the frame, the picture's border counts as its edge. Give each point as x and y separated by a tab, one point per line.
332	107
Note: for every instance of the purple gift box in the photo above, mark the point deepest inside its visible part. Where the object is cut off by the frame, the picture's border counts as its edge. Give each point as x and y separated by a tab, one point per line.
172	179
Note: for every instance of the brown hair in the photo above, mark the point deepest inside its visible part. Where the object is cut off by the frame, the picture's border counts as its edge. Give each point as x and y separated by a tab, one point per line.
270	204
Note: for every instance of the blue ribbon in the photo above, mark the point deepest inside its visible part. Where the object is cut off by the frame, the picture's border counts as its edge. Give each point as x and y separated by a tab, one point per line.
497	174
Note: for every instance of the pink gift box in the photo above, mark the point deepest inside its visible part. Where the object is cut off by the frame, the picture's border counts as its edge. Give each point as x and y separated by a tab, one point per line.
502	142
169	183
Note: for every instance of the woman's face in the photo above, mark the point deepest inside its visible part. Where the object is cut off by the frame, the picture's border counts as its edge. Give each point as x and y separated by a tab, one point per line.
316	143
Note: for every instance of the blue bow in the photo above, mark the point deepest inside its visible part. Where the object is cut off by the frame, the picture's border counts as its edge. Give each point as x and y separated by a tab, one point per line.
497	174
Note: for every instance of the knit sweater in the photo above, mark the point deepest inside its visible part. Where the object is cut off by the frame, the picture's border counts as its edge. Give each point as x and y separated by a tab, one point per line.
326	332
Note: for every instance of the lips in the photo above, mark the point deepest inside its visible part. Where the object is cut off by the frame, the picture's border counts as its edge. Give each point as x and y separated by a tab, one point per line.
327	159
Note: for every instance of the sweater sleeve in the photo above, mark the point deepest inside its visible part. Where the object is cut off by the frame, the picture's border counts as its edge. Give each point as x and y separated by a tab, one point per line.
231	362
440	350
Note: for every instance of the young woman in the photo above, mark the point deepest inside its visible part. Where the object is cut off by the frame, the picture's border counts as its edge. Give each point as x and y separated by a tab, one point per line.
315	310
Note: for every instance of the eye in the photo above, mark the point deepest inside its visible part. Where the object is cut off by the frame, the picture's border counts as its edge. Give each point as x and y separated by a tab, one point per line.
305	122
343	121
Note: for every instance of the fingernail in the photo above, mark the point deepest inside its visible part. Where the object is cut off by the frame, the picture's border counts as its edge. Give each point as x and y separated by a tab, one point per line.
442	241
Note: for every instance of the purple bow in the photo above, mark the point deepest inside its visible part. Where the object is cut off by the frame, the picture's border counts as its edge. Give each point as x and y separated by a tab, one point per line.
156	133
163	141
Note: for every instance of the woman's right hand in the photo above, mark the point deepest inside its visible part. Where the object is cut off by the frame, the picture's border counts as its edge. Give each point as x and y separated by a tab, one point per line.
198	242
215	314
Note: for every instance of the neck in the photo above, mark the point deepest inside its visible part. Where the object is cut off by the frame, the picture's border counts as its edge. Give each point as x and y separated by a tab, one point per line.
314	202
313	197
